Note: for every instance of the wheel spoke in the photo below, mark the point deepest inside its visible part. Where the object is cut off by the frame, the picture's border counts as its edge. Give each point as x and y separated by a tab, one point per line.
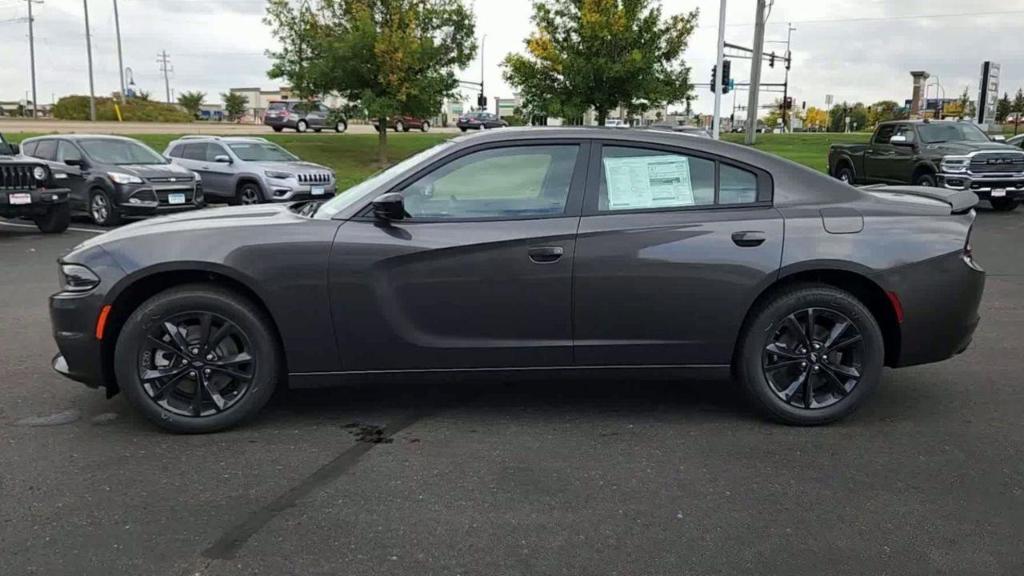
783	364
219	335
236	374
156	374
809	333
845	343
168	386
204	332
218	400
838	384
163	346
808	392
848	371
177	337
197	398
776	349
796	327
795	386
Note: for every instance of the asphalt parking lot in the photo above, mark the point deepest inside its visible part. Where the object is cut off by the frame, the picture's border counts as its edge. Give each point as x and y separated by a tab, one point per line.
612	477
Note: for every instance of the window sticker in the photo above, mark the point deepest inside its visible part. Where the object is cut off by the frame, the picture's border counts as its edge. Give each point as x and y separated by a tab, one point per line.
648	182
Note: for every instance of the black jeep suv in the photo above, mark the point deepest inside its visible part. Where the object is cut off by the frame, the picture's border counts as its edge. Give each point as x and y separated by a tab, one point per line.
28	190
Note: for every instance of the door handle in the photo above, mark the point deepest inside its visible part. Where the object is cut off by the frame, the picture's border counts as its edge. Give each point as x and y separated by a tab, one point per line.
748	239
546	254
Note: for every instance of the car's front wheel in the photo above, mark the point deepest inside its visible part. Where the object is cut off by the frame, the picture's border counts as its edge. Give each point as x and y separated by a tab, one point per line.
340	127
248	194
1003	204
197	359
845	173
102	209
56	219
425	127
399	127
302	126
810	355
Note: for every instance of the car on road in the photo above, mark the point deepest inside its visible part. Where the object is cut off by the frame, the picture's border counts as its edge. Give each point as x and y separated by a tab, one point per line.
616	123
682	129
531	252
28	189
250	170
480	121
1017	141
404	124
112	177
955	155
303	116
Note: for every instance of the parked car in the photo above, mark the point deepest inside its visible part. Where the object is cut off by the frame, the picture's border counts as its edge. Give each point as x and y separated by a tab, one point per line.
951	154
303	116
404	124
616	123
251	170
480	121
112	177
531	251
682	129
29	190
1017	141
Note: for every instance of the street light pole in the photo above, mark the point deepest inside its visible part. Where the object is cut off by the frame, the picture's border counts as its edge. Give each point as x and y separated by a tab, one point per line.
716	88
787	122
88	49
483	42
32	55
755	73
120	60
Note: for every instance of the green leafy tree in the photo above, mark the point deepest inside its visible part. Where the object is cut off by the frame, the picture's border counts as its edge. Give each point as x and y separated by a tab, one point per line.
142	95
858	114
392	56
602	54
885	111
1018	109
235	105
192	102
1003	108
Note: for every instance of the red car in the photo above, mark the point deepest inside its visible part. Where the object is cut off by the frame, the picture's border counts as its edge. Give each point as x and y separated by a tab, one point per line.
405	123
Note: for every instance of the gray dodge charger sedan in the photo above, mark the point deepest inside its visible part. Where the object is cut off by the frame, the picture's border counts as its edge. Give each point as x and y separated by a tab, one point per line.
530	252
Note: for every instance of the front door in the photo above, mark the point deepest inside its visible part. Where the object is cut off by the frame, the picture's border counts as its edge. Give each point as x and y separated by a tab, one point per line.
673	247
480	273
880	155
218	176
75	180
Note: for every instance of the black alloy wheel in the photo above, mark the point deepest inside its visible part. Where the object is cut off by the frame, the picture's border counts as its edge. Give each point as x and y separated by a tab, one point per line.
813	358
248	194
845	174
1004	204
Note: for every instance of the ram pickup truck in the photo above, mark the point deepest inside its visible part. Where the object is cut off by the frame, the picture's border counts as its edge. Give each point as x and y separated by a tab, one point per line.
29	190
951	154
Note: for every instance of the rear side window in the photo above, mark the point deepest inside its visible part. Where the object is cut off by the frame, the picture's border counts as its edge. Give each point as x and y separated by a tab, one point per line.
640	179
29	148
46	150
175	151
195	151
736	186
278	106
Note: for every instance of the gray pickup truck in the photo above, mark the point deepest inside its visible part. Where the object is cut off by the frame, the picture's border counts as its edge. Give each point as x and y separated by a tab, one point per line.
28	190
951	154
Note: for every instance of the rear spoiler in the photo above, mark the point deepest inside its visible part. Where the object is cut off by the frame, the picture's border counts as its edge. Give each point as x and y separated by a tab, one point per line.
959	201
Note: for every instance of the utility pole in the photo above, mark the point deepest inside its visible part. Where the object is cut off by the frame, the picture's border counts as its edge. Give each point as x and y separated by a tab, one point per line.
32	55
787	125
164	61
755	73
716	87
483	42
88	49
120	60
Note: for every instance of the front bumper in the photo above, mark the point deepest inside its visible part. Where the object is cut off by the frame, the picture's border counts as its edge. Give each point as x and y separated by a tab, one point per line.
1004	185
151	199
73	319
281	190
40	202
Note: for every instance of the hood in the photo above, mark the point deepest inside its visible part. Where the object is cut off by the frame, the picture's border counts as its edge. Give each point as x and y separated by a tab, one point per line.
184	223
154	170
295	167
960	148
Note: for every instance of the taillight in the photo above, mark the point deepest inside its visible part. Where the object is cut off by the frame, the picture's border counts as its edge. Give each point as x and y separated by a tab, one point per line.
968	250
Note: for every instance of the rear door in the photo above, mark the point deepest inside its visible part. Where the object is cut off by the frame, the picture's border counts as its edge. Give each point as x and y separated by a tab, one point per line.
479	275
673	247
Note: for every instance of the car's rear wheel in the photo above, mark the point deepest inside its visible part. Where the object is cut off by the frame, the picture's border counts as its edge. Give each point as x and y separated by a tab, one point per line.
845	173
56	219
248	193
340	127
278	128
102	209
1003	204
810	355
926	179
197	359
463	129
302	126
425	127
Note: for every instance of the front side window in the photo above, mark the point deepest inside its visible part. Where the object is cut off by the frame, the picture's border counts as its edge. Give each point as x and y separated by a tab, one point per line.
29	148
214	150
67	151
120	152
640	179
261	152
885	134
46	150
507	183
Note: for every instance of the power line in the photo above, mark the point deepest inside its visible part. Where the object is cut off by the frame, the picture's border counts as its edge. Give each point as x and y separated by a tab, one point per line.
888	18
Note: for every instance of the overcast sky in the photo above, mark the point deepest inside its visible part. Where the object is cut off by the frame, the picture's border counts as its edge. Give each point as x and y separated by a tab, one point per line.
855	49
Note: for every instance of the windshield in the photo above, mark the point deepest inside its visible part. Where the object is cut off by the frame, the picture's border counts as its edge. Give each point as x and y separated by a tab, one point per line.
261	152
935	133
120	152
353	194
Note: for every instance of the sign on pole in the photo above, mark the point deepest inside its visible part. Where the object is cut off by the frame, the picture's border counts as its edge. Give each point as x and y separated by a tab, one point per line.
988	95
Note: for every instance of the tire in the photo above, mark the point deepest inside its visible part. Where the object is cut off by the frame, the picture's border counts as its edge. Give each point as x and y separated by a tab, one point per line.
302	126
925	179
463	129
425	127
235	390
278	128
247	194
102	209
56	220
1003	204
341	127
770	362
318	130
845	173
399	126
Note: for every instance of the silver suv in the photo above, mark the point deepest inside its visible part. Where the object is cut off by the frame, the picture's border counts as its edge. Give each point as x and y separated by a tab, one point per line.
250	170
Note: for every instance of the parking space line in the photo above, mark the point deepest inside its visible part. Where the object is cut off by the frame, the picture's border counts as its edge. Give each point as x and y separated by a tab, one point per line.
33	226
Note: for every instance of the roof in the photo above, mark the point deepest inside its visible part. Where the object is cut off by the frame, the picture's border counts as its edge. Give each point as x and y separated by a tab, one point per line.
83	137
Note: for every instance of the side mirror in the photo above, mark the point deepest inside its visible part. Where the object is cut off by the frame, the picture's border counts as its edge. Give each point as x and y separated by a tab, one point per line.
999	138
73	161
222	159
390	206
900	140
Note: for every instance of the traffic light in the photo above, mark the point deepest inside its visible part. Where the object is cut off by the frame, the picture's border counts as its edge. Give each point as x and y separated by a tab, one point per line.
726	81
789	102
714	73
481	101
771	60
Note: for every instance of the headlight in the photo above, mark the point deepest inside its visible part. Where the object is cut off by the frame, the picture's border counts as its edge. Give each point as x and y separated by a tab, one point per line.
122	178
78	278
278	175
40	173
955	164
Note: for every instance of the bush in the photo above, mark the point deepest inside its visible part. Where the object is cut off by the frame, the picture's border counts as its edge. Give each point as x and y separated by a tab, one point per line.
135	110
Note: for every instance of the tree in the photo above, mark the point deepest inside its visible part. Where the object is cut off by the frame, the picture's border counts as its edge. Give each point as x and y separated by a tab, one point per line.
815	118
857	113
885	111
392	56
1018	109
602	54
1003	108
142	95
192	102
235	105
